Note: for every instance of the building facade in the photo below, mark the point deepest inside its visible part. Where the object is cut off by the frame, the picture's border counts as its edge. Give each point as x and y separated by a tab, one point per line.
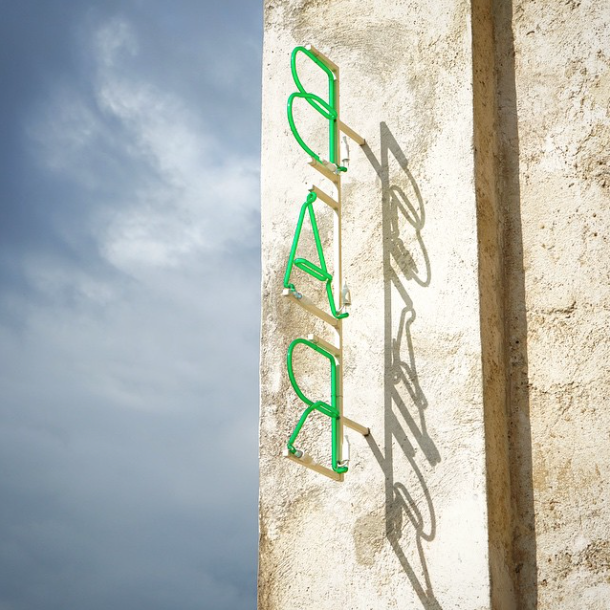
474	241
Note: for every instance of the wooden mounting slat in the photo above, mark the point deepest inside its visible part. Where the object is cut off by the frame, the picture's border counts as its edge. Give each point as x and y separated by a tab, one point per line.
325	197
307	461
331	64
350	423
308	305
351	133
329	347
324	171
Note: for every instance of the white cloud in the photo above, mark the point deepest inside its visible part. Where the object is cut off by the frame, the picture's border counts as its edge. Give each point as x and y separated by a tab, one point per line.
114	38
129	372
195	195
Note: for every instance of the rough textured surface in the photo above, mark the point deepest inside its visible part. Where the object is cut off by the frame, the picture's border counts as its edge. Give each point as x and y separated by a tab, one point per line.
491	227
475	230
554	99
408	526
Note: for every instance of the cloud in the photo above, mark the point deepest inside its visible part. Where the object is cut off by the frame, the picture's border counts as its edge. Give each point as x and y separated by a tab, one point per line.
129	312
192	193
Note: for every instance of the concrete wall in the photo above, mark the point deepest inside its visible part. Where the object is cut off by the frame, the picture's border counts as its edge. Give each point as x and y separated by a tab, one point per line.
474	245
554	100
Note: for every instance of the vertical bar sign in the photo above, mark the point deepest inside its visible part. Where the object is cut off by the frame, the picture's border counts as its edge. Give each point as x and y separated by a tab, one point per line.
330	167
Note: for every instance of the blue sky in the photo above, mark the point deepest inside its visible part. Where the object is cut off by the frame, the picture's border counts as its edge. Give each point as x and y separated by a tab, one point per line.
129	304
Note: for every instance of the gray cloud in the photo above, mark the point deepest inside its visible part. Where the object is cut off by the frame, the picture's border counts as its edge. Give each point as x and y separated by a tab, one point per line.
129	307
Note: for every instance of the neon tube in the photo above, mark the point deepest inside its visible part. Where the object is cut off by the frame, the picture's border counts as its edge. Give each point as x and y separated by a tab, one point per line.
327	109
331	410
318	272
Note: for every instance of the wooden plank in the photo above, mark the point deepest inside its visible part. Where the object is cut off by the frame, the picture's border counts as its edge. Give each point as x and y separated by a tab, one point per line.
329	347
326	198
351	133
307	461
350	423
308	305
324	170
331	64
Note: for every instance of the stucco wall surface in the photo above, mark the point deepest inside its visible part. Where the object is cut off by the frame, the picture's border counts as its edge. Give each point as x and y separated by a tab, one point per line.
554	100
407	528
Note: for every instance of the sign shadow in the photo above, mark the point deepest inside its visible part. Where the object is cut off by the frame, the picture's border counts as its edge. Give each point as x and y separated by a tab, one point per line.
405	443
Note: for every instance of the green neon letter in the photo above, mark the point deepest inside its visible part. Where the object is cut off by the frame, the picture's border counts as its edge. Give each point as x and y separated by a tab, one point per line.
330	410
326	108
320	272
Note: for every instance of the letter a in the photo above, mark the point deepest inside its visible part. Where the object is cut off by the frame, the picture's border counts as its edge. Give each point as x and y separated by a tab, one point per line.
319	272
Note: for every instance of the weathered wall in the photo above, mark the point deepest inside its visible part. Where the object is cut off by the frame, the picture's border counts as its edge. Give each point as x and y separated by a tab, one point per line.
408	526
475	230
554	94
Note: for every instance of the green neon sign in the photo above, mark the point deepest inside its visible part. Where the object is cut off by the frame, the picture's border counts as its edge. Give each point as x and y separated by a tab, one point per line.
330	410
319	272
326	108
